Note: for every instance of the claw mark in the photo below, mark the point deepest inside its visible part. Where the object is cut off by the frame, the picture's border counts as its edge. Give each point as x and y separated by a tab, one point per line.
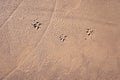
62	37
37	24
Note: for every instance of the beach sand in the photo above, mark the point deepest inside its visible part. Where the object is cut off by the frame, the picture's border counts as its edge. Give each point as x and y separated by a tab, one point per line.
59	40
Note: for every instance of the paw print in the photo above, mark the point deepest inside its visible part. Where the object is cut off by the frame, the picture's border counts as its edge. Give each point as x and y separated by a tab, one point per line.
62	37
89	32
36	24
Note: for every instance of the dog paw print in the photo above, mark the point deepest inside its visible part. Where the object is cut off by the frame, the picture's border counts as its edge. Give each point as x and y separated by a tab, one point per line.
62	37
89	32
36	24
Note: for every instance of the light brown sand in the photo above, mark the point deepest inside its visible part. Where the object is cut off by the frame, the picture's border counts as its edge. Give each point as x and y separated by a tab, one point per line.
76	40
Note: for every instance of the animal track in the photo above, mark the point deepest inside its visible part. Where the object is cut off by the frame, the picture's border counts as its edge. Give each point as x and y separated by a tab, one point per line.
36	24
89	32
62	37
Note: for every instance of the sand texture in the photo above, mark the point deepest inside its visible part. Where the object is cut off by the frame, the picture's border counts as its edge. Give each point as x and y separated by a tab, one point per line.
59	39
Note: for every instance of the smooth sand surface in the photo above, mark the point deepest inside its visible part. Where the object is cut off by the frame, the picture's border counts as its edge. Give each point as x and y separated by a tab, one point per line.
59	40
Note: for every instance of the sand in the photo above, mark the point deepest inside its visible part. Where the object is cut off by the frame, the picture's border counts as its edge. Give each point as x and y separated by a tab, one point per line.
59	40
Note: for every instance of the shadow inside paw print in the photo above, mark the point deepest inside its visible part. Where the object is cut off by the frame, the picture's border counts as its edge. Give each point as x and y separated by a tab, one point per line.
62	37
36	24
